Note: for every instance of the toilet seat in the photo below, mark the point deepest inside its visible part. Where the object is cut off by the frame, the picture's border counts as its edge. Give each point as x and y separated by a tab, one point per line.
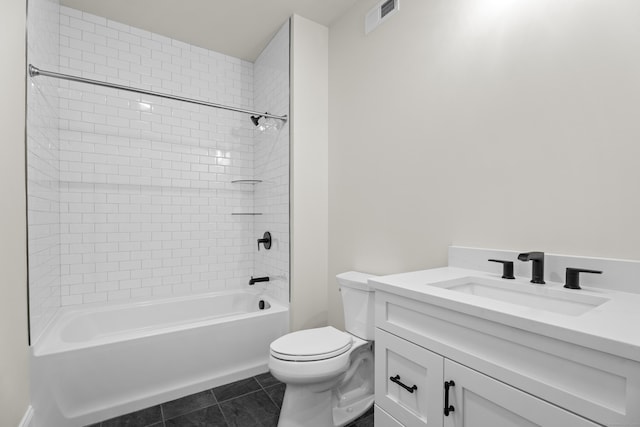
311	345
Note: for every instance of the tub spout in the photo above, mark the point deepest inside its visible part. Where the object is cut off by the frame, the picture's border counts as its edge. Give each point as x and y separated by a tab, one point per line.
255	280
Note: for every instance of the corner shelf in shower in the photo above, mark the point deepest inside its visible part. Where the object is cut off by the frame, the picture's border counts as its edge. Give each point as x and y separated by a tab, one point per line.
246	181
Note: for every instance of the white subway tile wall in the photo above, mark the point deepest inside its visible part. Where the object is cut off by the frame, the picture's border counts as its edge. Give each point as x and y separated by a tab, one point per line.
271	163
145	183
130	196
43	166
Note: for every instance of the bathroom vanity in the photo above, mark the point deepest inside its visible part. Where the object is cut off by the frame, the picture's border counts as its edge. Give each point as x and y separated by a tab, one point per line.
462	347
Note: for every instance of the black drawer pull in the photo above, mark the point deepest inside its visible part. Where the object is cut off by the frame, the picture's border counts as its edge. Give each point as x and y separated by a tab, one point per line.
396	380
448	408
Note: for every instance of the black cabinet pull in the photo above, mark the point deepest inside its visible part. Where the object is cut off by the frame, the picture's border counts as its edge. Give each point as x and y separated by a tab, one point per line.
396	380
448	408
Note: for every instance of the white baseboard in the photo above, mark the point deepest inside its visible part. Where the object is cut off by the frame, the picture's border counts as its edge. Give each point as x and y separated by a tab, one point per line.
26	419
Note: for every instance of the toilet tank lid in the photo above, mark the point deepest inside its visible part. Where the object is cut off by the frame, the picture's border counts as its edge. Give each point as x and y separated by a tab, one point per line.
355	279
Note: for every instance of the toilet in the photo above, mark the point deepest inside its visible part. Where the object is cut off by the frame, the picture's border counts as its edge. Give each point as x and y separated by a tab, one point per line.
329	373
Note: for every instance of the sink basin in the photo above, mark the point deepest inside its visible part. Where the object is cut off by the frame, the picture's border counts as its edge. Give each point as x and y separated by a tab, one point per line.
539	297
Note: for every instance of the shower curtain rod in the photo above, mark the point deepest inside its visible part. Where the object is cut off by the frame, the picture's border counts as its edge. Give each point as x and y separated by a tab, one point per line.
34	71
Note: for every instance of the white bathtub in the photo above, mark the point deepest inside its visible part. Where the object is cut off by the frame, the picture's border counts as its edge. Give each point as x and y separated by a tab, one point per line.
93	363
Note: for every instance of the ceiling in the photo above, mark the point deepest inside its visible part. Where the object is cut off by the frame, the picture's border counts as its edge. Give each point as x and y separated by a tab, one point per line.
240	28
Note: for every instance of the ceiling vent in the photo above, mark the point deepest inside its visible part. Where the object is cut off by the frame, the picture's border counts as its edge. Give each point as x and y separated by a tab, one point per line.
380	13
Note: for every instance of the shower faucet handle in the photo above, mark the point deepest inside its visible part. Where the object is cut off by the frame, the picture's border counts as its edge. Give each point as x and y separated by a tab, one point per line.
266	241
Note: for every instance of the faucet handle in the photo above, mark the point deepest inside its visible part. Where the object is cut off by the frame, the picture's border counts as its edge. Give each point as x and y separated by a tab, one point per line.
507	268
572	277
265	240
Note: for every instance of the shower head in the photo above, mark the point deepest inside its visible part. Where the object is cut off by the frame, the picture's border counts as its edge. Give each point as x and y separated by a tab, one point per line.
265	122
255	120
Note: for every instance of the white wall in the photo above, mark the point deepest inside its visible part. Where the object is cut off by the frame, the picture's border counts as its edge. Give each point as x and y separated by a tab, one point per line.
484	123
14	392
309	127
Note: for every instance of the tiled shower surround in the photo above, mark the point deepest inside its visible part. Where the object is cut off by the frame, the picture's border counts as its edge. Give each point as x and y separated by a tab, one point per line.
43	166
271	164
146	196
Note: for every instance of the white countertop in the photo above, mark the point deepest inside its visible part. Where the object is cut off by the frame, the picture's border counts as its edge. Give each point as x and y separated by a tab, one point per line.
612	327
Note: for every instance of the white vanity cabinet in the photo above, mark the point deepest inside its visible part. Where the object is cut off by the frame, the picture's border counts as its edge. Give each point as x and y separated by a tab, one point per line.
474	399
503	376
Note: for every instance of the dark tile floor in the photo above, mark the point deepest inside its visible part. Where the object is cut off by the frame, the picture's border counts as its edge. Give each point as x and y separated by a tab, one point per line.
250	402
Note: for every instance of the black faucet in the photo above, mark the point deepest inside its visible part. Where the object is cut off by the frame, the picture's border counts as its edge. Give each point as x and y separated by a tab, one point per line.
537	269
255	280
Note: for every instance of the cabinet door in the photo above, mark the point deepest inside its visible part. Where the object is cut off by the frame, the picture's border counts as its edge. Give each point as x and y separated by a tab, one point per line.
481	401
419	402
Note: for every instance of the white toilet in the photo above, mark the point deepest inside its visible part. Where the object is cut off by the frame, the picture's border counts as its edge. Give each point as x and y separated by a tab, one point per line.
329	373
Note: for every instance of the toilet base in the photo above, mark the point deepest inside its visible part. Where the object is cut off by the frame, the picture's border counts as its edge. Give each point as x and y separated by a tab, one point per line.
321	405
302	407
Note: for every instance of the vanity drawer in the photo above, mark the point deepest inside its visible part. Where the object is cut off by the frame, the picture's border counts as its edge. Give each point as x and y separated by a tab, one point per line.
408	381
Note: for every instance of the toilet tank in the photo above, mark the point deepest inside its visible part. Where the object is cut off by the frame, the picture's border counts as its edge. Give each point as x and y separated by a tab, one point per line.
358	304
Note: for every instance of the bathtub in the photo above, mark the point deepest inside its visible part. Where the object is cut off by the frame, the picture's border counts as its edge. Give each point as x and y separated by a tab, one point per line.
98	362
